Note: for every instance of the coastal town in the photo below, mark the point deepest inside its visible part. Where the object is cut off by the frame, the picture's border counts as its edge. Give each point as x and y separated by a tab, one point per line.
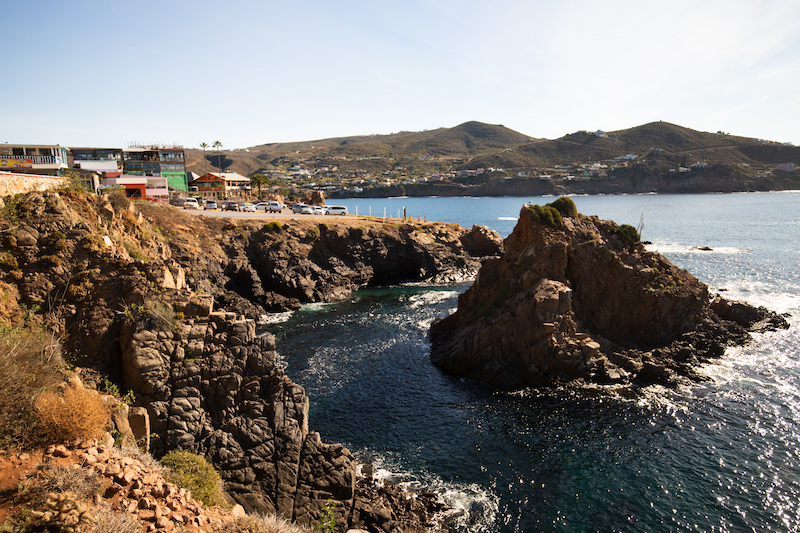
471	159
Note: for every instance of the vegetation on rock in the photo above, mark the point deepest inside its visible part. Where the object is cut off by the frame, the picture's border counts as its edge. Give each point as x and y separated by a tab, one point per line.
195	474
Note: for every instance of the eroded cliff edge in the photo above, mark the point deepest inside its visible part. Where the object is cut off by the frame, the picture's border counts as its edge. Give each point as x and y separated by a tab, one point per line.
165	304
575	298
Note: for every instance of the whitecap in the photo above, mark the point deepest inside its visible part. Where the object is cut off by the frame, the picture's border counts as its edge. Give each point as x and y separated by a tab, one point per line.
677	248
275	318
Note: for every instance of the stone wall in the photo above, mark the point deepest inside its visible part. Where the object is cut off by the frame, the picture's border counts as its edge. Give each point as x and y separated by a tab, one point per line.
11	184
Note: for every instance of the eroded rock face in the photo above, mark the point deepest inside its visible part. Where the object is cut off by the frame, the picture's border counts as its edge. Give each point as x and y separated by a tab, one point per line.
581	303
212	386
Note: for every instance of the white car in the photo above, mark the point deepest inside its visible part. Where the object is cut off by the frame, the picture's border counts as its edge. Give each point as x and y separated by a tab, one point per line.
335	210
272	206
191	203
318	209
247	206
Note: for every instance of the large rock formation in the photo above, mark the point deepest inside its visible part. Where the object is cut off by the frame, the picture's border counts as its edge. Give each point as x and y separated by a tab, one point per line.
581	299
212	386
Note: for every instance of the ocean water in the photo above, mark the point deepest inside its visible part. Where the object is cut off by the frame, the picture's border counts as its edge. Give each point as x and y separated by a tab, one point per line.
723	455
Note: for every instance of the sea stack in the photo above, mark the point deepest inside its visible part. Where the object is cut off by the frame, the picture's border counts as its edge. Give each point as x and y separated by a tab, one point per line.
579	299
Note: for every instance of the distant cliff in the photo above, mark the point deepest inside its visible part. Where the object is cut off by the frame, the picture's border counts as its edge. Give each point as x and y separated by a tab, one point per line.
575	298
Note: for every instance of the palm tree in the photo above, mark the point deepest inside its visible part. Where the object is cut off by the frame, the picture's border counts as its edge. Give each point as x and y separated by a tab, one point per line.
258	180
218	145
204	145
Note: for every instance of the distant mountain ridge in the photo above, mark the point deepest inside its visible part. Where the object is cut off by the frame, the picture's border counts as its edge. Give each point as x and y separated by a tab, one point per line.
479	145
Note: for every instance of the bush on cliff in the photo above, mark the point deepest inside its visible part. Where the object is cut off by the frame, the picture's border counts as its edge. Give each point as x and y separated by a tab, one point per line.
195	474
72	413
29	360
565	206
627	233
547	215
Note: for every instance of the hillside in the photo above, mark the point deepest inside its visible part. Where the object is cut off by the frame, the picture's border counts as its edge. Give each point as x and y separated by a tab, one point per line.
461	142
660	140
474	158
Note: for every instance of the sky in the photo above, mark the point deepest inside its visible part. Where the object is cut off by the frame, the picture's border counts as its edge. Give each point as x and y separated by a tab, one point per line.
108	73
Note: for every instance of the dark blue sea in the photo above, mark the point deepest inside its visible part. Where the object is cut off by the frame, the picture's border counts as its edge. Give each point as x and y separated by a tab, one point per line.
723	455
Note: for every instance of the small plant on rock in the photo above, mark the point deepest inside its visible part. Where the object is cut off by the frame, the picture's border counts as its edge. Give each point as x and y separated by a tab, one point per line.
565	206
327	522
193	473
627	233
547	215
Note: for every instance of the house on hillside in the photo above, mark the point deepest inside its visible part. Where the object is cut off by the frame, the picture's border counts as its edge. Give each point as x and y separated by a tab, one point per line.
223	186
41	159
167	161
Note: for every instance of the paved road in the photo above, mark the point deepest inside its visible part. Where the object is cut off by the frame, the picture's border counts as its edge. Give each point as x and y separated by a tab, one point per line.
260	215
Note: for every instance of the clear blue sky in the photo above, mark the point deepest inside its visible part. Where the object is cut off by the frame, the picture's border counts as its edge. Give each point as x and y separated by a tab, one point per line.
103	73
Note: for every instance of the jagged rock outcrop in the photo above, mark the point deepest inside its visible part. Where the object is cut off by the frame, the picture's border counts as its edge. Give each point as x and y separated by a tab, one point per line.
585	302
212	386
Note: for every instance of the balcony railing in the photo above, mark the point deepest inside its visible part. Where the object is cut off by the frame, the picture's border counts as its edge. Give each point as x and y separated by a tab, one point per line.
36	159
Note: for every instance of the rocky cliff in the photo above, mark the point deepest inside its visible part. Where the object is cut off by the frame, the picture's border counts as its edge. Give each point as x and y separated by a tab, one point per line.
575	298
164	303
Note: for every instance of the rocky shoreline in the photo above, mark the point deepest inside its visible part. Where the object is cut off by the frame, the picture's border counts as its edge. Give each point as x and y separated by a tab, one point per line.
578	299
165	305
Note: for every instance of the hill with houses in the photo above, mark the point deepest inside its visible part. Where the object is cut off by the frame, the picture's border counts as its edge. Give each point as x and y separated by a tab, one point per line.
470	159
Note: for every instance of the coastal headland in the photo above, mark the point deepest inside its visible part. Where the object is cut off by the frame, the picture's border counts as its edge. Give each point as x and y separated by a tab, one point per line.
165	305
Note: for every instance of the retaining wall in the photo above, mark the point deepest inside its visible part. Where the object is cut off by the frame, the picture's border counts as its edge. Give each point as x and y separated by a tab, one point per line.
11	183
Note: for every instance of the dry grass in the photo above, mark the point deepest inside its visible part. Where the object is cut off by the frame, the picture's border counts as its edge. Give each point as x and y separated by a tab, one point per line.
29	362
111	521
147	460
53	477
75	413
264	524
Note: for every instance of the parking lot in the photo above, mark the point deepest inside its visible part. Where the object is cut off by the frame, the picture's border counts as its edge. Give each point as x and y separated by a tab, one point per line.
258	215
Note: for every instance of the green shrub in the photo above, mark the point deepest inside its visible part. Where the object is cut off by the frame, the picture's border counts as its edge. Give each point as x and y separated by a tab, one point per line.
273	227
627	233
565	206
547	215
313	233
193	473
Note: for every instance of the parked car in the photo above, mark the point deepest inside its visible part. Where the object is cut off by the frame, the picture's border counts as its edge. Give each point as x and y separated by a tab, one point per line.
306	210
335	210
247	206
318	209
298	208
210	204
274	207
191	203
231	206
